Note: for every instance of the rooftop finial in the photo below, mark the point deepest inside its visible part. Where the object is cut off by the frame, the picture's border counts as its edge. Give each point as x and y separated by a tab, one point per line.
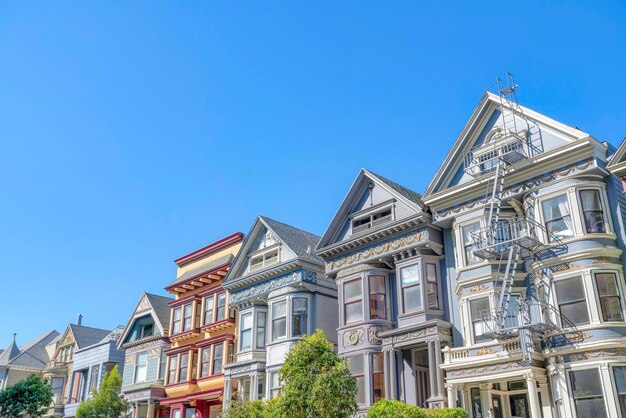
14	334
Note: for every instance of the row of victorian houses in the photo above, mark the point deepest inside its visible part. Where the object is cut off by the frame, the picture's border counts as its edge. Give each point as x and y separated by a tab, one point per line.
499	290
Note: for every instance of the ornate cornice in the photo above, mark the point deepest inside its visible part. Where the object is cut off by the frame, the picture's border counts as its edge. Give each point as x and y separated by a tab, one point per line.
376	251
515	189
269	285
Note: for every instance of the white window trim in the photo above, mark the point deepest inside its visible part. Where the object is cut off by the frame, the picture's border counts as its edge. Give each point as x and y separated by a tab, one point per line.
620	288
421	262
466	312
570	393
459	252
262	253
585	276
372	210
608	224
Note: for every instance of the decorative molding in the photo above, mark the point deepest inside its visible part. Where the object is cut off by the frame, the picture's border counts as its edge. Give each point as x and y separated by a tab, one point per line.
485	351
479	287
509	365
144	305
378	251
587	355
353	338
517	188
273	284
154	352
372	336
131	358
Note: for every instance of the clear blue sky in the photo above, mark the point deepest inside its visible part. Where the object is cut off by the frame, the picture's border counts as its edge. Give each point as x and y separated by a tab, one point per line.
132	133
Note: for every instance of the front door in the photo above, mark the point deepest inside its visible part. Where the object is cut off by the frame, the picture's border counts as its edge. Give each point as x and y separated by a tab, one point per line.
519	405
422	380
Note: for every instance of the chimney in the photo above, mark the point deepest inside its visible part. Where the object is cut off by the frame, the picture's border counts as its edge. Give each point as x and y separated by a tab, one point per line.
79	320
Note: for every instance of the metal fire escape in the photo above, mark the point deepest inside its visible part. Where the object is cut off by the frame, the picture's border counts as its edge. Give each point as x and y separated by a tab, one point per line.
513	241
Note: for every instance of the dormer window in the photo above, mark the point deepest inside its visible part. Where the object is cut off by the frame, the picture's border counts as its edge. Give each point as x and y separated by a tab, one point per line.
143	327
266	259
371	220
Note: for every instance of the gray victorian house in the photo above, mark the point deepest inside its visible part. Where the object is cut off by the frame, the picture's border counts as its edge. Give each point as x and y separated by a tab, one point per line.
386	258
145	340
533	229
278	286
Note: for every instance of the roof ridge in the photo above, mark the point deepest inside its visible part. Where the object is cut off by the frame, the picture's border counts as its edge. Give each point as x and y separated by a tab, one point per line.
289	226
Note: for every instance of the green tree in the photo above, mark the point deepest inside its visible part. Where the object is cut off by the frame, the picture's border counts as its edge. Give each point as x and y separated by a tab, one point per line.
106	401
316	382
29	397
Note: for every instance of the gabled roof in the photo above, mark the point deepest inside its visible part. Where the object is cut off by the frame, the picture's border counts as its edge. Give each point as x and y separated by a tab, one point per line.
86	336
149	304
488	103
408	196
301	243
160	306
9	354
617	161
31	355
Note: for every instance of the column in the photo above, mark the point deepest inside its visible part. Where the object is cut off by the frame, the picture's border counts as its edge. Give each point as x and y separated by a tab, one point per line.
608	390
545	398
533	398
392	375
485	399
387	373
150	408
227	392
432	373
451	395
254	388
440	383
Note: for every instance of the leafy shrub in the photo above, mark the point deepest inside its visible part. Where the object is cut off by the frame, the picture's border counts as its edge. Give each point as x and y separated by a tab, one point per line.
247	409
392	409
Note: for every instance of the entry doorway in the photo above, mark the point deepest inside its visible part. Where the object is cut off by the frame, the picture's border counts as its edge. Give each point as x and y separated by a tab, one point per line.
422	379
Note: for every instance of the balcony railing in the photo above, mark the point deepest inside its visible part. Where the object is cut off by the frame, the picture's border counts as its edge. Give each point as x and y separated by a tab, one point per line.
501	323
494	240
484	158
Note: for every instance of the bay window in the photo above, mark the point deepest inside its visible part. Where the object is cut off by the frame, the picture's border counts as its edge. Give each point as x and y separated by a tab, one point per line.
593	215
557	218
411	288
570	296
378	307
176	321
279	320
245	335
478	308
187	309
205	360
432	292
208	310
378	376
609	294
218	355
260	329
141	367
221	307
468	243
298	317
587	393
357	369
353	301
619	373
184	367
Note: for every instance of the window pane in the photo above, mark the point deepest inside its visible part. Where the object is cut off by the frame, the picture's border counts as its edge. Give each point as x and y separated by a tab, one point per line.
176	321
354	312
610	300
279	320
171	378
356	365
620	384
260	330
187	318
299	317
556	214
410	275
352	290
208	310
184	366
218	353
206	358
586	383
221	307
378	308
412	298
468	242
592	211
246	321
575	312
569	290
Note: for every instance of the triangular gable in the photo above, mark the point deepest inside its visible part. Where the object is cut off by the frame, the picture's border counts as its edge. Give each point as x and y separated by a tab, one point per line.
67	338
144	307
546	134
617	163
360	195
295	244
